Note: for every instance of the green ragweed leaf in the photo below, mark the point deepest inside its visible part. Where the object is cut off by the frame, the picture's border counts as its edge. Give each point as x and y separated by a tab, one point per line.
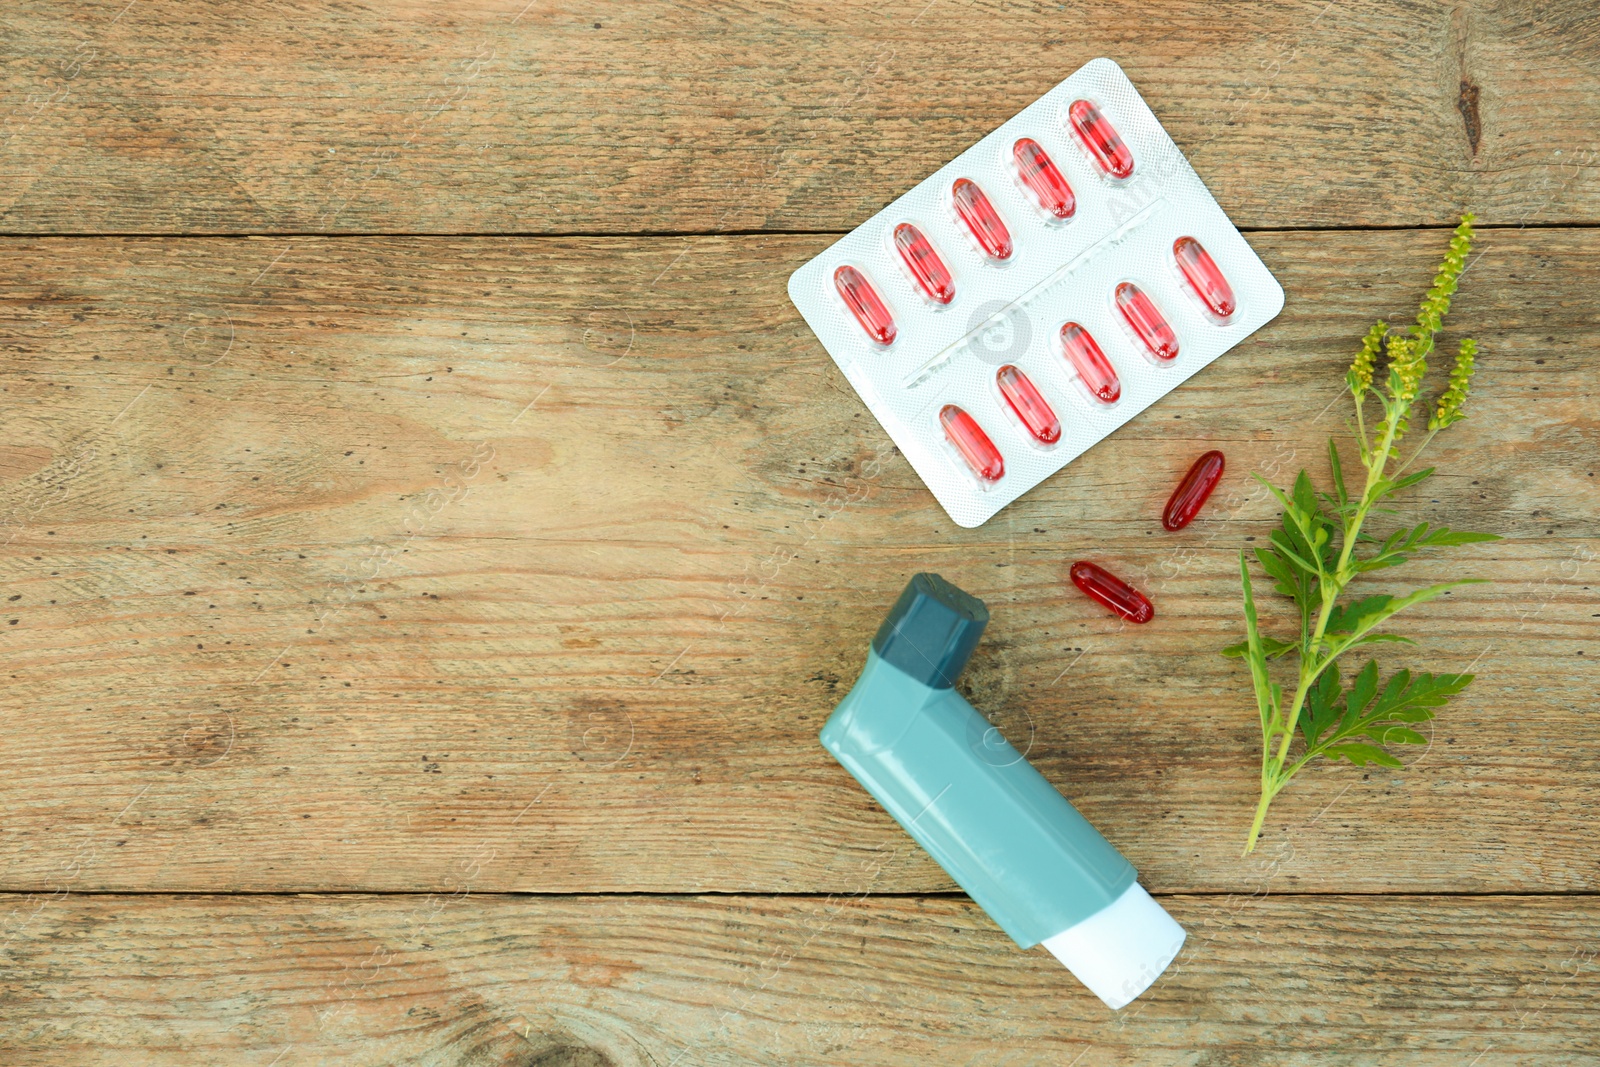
1361	755
1342	495
1388	488
1357	618
1270	646
1322	705
1446	536
1370	720
1347	618
1395	548
1376	639
1268	695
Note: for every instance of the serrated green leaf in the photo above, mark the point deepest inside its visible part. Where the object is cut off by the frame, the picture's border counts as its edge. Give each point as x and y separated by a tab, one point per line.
1373	639
1266	694
1345	618
1367	618
1271	647
1406	482
1283	541
1393	690
1338	474
1304	496
1401	541
1284	573
1446	536
1322	704
1362	690
1378	563
1397	735
1405	700
1361	755
1423	691
1411	714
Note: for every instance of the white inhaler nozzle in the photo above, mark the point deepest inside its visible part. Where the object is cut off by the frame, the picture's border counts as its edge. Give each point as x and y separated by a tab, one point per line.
1121	949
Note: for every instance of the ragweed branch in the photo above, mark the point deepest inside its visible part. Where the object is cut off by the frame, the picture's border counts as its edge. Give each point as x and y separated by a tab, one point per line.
1319	548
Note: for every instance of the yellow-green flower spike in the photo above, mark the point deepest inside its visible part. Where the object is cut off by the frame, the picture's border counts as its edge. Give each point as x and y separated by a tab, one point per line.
1360	377
1430	316
1406	367
1455	395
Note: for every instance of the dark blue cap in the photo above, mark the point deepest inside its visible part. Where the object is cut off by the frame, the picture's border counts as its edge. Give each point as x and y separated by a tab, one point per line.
931	631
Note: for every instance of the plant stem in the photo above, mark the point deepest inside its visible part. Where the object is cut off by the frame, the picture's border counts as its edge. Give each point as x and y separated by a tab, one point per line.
1361	430
1261	817
1398	471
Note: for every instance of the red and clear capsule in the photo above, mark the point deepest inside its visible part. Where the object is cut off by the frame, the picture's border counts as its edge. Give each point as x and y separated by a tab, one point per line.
1040	174
987	227
1191	494
1105	146
1204	277
920	258
1094	369
870	310
1030	406
1147	322
1100	585
973	444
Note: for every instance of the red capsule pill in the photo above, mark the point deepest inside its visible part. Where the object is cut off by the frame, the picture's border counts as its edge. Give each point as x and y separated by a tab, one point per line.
1100	138
1147	321
1204	277
1191	494
1030	406
1101	585
864	301
973	444
1040	174
920	258
987	227
1093	368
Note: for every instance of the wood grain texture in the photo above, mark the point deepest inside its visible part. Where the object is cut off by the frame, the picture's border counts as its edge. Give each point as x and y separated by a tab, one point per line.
549	117
343	563
629	982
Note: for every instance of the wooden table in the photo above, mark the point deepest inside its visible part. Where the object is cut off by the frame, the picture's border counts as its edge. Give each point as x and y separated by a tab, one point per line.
433	541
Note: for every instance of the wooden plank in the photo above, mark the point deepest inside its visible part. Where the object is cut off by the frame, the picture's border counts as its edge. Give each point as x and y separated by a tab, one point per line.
338	560
546	117
619	982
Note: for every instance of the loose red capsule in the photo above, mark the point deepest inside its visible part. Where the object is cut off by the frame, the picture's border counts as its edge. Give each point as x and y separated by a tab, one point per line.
1191	494
1092	366
1040	174
1101	585
1204	277
973	444
918	254
863	299
987	227
1100	138
1147	321
1030	406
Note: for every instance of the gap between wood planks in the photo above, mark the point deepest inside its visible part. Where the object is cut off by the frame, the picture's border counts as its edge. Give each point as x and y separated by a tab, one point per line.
633	235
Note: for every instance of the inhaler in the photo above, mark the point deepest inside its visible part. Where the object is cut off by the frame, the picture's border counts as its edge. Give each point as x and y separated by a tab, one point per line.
979	808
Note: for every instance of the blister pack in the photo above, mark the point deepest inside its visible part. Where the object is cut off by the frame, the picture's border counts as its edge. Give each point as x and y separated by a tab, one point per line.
1035	293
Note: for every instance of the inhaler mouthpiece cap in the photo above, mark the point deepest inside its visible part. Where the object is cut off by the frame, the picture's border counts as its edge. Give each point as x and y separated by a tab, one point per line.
1121	949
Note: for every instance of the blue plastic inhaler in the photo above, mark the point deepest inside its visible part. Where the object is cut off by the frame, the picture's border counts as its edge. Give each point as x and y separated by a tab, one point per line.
978	807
